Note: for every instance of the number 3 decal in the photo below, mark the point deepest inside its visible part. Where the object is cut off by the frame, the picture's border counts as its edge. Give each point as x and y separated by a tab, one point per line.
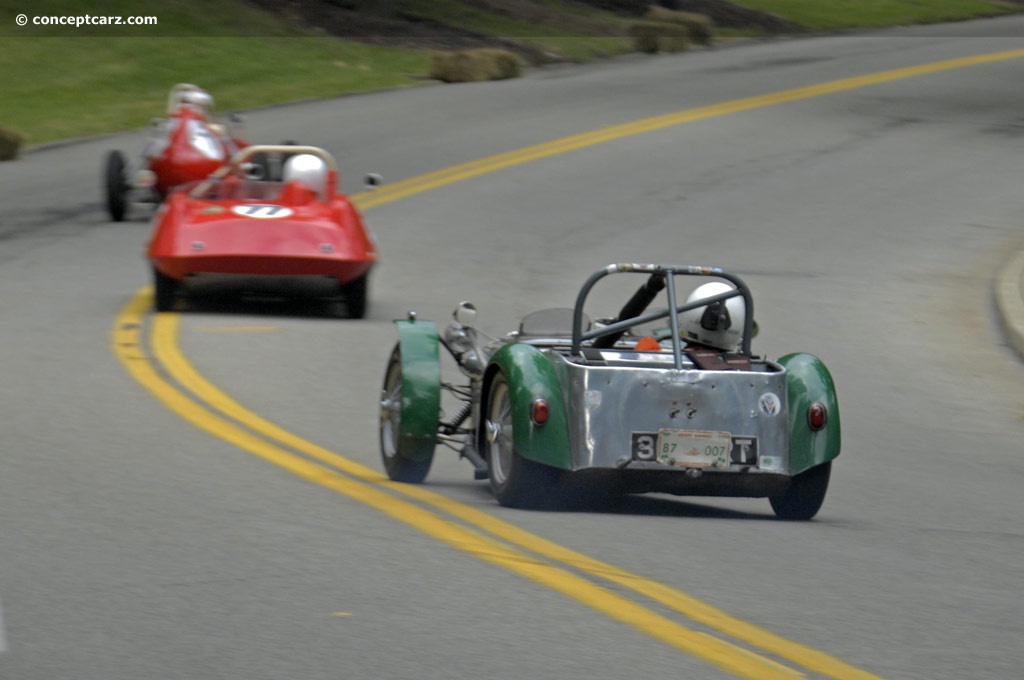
643	447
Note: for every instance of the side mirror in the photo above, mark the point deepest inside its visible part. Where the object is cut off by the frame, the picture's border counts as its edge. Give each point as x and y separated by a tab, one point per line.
372	181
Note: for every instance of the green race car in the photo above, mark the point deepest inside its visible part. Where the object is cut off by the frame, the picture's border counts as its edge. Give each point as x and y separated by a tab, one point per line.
663	397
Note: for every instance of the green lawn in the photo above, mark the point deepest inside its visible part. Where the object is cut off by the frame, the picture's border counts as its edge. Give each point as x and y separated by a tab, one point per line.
60	82
66	87
829	15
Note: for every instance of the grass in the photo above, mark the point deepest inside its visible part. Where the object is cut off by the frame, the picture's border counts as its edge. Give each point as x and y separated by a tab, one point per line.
832	15
67	87
62	82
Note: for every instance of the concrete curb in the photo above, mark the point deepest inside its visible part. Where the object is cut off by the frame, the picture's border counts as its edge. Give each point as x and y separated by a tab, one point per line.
1009	291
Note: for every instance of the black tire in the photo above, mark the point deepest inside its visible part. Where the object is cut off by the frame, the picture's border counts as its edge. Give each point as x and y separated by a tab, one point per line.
515	481
355	294
805	495
117	186
165	291
398	468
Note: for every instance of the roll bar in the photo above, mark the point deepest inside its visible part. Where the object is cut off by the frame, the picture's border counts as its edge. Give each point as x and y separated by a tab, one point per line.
240	157
632	313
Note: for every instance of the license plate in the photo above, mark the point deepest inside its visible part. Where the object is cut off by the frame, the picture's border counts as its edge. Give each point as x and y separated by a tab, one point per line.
694	448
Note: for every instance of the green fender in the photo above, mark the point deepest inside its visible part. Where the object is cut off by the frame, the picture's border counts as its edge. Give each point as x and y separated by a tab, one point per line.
421	388
530	375
809	381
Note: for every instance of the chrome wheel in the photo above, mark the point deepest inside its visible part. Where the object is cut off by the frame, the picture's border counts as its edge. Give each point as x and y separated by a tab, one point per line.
499	431
515	481
391	410
398	467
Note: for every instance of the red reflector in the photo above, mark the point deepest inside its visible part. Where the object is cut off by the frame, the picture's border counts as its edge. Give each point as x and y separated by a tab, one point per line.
817	415
539	411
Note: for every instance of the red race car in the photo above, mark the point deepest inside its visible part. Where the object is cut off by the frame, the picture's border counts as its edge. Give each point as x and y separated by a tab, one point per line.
186	146
237	227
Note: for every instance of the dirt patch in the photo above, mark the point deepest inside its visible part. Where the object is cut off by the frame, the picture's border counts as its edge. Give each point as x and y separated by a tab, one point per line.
394	31
345	19
726	14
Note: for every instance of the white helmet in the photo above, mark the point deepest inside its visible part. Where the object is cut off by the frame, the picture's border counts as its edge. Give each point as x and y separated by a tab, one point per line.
197	99
719	324
309	169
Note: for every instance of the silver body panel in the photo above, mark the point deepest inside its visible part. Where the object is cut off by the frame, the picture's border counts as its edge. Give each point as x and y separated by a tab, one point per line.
625	394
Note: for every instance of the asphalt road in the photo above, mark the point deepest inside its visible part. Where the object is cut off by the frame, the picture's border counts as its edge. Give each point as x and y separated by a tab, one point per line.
869	217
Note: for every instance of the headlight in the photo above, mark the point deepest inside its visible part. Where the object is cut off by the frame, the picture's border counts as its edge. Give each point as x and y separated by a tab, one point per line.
471	364
457	339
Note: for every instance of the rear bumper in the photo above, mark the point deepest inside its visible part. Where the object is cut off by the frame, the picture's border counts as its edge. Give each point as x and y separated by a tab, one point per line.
342	271
677	482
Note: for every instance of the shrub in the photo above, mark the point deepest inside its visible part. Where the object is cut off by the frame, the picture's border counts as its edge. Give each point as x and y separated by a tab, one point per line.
10	144
701	28
464	66
652	37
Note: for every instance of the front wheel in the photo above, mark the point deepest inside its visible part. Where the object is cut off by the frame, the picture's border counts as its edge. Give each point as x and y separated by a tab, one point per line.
355	293
516	482
805	494
116	186
165	290
398	468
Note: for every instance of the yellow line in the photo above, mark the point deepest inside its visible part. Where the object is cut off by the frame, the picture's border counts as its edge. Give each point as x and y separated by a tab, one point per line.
129	350
239	329
457	173
697	644
164	334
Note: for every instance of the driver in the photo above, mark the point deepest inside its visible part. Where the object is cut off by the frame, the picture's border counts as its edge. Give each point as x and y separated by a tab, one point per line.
310	170
197	99
203	126
718	325
714	331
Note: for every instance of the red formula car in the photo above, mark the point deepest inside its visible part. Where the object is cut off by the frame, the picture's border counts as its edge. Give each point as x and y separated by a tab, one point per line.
237	227
187	145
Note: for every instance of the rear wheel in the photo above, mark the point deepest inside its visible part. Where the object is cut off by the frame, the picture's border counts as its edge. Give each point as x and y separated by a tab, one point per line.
355	293
398	468
805	494
165	291
515	481
117	186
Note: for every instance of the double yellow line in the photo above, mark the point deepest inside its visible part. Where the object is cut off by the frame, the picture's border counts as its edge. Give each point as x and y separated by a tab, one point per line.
161	368
463	171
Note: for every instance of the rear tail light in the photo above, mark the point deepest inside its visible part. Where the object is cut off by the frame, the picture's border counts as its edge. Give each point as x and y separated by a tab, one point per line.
539	411
817	416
